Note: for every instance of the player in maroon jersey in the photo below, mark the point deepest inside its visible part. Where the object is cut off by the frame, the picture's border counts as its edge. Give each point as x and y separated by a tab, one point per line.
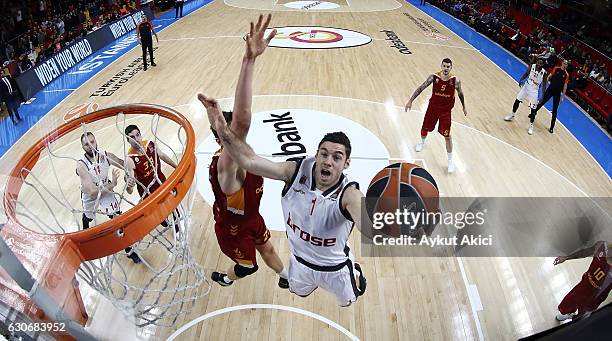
239	227
144	163
440	106
595	285
143	168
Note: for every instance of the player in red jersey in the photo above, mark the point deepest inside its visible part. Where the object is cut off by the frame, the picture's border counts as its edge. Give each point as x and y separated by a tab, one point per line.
440	106
144	163
595	285
143	167
239	227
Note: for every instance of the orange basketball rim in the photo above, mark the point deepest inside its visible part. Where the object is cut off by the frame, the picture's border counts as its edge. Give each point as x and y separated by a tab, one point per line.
53	259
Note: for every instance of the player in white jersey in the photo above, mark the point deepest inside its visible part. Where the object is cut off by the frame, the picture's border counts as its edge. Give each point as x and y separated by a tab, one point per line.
96	189
529	90
321	206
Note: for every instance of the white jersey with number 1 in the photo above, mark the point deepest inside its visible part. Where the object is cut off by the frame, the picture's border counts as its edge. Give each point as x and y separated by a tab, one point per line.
317	227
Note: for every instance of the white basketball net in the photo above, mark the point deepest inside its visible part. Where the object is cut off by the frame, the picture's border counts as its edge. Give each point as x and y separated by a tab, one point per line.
168	281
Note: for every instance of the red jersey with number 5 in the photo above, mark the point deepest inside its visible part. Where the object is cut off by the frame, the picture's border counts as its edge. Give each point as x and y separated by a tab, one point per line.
443	94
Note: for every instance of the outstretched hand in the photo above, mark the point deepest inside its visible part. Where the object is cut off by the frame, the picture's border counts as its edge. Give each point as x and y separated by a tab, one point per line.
256	43
408	106
215	116
559	260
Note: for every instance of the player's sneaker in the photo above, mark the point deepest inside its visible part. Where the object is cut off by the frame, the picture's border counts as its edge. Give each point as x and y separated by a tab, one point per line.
564	317
419	146
361	286
451	166
530	130
509	117
551	130
219	278
283	283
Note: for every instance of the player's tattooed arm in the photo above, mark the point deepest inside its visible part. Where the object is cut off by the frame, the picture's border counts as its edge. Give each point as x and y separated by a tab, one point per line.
586	252
460	94
418	91
240	151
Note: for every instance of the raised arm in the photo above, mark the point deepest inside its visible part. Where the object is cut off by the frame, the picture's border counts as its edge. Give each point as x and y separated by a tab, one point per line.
418	91
240	151
460	94
586	252
256	44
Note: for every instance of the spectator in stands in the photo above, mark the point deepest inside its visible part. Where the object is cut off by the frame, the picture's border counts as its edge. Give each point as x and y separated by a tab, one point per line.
595	72
580	81
457	8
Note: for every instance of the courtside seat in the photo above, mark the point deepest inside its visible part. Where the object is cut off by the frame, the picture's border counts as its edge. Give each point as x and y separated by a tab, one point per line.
597	98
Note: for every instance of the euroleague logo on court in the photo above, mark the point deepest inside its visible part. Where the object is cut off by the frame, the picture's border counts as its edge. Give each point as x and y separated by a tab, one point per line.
311	5
283	134
316	37
427	28
80	110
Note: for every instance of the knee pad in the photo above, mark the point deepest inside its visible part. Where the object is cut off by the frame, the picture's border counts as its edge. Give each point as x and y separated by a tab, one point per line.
243	271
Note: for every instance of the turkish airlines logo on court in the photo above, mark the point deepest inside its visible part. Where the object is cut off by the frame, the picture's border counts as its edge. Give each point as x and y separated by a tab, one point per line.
317	37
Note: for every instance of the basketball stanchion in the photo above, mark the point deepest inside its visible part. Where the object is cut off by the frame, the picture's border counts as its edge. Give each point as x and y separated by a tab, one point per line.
38	294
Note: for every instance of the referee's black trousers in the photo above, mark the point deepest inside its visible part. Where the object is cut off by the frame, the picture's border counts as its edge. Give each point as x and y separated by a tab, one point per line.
147	45
556	96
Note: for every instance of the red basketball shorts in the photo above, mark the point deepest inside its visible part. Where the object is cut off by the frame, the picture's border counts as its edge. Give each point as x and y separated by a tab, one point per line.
435	115
238	237
584	298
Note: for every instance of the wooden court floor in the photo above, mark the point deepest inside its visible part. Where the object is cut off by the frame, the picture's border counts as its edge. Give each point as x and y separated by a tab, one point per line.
368	85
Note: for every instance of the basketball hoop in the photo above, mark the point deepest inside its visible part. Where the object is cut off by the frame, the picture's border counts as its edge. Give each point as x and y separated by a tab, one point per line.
53	248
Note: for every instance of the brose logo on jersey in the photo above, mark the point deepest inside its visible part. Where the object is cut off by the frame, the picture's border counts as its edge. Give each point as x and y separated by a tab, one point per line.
307	237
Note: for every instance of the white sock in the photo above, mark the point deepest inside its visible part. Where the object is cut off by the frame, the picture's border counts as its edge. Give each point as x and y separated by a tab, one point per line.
450	156
284	274
423	140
